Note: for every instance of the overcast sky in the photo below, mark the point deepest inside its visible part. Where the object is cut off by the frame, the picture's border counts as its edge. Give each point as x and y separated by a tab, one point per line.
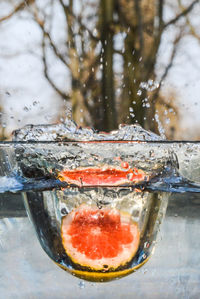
28	98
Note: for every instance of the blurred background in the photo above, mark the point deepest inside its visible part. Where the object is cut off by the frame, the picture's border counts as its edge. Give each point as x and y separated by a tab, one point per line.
104	62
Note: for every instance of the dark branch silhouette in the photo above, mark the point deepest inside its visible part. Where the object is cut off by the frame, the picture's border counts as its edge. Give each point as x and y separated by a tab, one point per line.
16	9
182	14
103	89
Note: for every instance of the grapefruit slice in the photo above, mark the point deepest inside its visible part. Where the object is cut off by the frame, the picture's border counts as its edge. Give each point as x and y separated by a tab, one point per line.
105	176
100	239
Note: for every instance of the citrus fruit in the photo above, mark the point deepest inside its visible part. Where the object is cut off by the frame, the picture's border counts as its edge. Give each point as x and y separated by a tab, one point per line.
105	176
100	239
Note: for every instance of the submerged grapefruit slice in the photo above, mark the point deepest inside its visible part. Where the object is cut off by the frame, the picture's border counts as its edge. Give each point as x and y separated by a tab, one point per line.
100	239
105	176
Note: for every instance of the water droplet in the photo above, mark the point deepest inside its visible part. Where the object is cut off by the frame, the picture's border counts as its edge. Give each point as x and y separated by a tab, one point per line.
129	176
95	32
64	211
150	82
167	121
146	245
81	285
144	256
145	271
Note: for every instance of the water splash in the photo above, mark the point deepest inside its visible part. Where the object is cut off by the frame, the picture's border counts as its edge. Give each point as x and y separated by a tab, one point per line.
39	153
69	131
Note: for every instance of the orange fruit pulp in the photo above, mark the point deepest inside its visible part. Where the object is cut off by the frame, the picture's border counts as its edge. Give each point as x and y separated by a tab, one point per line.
105	176
99	239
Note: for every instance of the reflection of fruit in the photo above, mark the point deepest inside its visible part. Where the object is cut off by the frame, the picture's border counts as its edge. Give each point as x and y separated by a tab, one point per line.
99	239
105	176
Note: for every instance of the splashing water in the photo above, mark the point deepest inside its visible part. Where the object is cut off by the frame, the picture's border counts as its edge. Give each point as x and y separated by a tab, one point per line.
68	131
158	158
96	199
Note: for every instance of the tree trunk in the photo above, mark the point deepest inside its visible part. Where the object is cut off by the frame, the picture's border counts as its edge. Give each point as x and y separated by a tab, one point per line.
131	103
108	99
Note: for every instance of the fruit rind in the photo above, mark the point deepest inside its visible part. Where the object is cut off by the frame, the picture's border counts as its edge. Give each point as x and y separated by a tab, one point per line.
101	276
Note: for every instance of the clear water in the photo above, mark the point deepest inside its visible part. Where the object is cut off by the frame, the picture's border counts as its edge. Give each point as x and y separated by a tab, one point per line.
33	168
46	210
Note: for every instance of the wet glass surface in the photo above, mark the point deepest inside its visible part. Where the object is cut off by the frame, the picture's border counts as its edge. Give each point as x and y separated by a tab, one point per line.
174	266
173	270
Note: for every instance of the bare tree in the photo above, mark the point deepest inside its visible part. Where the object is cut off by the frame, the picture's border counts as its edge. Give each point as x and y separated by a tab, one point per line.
105	92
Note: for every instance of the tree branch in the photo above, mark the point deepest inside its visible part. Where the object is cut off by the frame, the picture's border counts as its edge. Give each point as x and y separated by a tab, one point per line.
191	27
160	14
140	25
47	34
182	14
168	67
61	93
18	8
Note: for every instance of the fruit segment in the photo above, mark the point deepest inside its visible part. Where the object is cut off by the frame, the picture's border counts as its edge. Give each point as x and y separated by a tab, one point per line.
105	176
101	239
